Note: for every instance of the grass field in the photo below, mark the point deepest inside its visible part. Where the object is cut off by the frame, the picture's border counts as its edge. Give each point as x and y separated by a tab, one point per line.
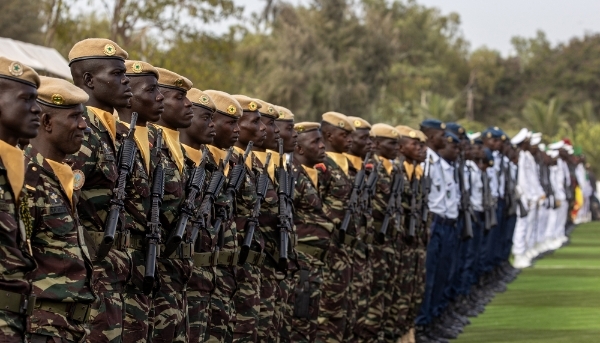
556	301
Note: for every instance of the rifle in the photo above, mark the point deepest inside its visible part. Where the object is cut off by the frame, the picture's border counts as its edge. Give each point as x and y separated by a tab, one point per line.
488	206
414	185
352	207
153	235
509	192
369	188
126	155
194	187
465	202
391	208
284	224
215	185
426	185
261	191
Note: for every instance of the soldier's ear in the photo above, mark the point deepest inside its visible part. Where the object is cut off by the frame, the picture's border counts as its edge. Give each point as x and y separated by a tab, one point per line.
46	121
88	80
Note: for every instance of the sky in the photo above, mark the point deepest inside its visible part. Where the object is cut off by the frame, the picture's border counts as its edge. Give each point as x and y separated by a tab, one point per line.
494	22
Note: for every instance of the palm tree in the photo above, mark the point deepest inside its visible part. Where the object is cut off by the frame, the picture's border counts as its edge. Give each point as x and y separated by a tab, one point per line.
547	118
583	112
436	106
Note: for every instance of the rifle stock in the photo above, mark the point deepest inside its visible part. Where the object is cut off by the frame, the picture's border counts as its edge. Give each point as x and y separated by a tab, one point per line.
284	225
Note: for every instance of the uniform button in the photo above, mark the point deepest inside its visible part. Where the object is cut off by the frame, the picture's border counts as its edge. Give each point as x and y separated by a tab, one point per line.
34	168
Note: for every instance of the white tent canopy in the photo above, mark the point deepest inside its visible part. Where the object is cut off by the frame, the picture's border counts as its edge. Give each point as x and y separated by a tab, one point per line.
37	57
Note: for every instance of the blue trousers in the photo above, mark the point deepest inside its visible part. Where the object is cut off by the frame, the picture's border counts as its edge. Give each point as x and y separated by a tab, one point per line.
469	274
510	224
458	259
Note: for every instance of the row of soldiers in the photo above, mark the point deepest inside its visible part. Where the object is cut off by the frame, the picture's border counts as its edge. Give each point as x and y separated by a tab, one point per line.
142	209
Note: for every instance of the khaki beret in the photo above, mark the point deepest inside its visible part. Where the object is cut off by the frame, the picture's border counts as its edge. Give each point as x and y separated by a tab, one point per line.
140	68
60	93
284	114
421	136
16	71
267	109
169	79
201	99
359	123
407	131
385	131
247	103
96	48
338	120
306	126
225	103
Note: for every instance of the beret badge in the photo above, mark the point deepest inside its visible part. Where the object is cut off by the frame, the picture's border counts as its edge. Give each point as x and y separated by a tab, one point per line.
299	128
252	106
204	100
57	99
357	123
281	115
178	83
341	124
271	110
443	126
461	130
489	135
110	50
15	69
137	67
503	137
231	109
449	139
412	134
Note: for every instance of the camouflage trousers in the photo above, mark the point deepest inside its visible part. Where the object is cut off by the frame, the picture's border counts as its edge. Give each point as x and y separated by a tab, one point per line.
170	303
53	327
137	304
12	327
285	310
271	301
372	329
199	288
295	329
335	295
411	285
360	289
247	303
392	294
107	316
222	308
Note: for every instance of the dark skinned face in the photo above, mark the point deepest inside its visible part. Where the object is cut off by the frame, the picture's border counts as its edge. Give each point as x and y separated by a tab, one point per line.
19	112
252	129
361	142
438	139
178	109
288	134
227	131
311	147
147	99
272	132
203	127
339	140
64	128
422	153
387	147
109	84
450	152
410	148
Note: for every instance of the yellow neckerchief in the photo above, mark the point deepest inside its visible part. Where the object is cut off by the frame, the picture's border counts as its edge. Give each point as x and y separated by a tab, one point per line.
194	154
14	162
262	157
356	161
241	152
340	160
172	139
275	161
107	119
65	176
141	139
408	167
219	155
388	165
313	174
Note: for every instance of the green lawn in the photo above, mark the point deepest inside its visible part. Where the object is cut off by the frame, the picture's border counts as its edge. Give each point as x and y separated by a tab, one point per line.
556	301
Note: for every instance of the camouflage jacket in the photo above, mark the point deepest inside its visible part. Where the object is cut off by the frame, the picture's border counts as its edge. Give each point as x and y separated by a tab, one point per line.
137	190
407	199
175	184
382	195
311	222
15	260
363	219
64	267
269	210
226	204
335	188
97	159
245	201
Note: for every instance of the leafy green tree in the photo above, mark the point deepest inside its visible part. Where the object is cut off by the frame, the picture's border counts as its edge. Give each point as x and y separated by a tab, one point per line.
547	118
20	20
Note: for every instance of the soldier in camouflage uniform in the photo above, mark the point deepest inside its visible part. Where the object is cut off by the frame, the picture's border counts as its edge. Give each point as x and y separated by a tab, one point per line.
412	260
362	272
314	236
170	303
147	102
98	67
247	298
19	120
224	255
61	281
194	140
385	145
335	187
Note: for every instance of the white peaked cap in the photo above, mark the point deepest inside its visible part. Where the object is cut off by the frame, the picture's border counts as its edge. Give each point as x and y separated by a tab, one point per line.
520	137
542	146
556	145
569	149
552	153
536	138
473	135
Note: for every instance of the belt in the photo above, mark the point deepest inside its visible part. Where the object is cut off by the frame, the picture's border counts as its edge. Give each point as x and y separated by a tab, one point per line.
368	238
437	219
16	303
184	251
122	239
256	258
206	259
76	311
318	253
227	258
